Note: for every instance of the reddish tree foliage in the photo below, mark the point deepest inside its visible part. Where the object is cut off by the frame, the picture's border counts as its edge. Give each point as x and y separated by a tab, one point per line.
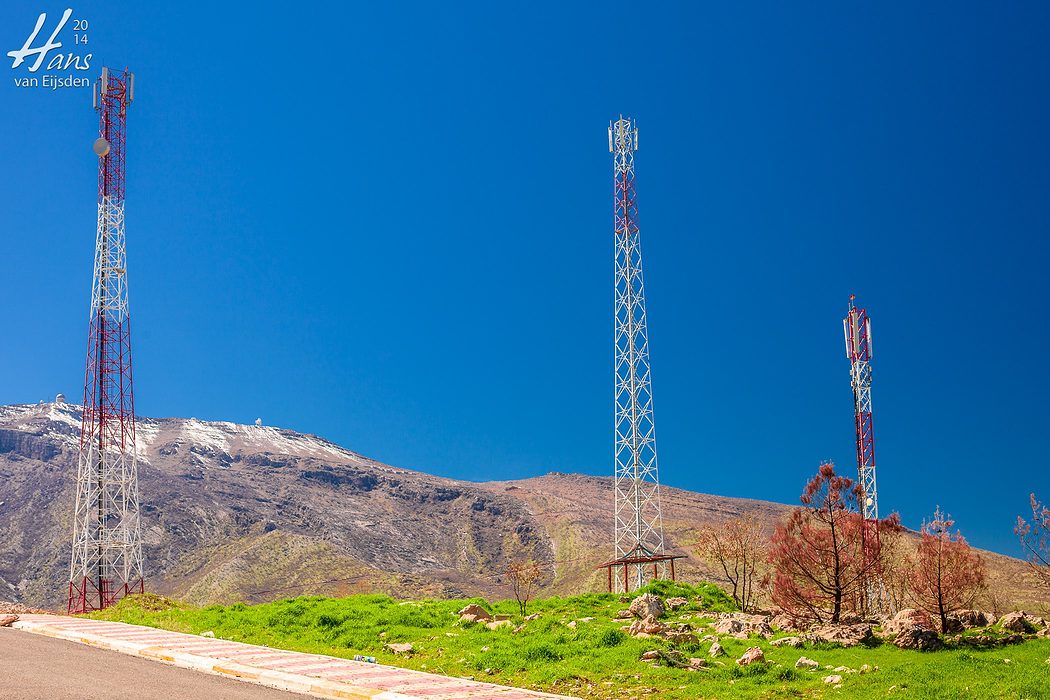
946	573
818	555
1035	538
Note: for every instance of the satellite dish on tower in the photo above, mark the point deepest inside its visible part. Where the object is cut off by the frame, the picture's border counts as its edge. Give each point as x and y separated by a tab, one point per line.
101	147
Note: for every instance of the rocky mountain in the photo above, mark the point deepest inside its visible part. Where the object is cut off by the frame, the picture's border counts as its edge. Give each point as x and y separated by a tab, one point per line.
244	512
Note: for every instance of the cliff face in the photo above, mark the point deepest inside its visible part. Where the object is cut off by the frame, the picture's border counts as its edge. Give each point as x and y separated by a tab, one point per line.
241	512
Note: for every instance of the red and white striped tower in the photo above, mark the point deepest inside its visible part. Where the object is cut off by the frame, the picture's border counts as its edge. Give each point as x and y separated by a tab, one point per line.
856	328
106	560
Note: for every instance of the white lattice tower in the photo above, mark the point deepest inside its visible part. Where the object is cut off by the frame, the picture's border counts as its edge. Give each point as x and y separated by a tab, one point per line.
638	523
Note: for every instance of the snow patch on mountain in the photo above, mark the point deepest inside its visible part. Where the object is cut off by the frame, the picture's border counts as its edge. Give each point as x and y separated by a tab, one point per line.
61	422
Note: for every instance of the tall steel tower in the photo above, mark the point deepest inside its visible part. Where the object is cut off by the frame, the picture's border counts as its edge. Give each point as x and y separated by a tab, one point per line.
106	560
639	535
856	329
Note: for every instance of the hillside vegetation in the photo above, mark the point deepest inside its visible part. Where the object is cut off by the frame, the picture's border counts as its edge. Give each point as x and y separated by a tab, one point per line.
576	646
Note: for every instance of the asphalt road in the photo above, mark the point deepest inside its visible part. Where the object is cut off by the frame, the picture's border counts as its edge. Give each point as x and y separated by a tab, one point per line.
34	667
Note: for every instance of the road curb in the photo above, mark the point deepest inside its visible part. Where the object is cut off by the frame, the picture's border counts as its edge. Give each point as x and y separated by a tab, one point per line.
222	662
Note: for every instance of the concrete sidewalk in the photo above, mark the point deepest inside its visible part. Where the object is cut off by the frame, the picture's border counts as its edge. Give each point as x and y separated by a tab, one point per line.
310	674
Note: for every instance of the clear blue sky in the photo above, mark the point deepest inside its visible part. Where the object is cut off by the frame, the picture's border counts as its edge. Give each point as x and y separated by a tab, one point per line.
391	225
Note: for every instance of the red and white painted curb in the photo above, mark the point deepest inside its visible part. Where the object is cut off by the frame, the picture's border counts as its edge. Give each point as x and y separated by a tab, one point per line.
309	674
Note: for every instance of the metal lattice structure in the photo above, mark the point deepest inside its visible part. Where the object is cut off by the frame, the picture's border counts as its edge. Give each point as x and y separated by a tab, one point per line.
856	329
106	559
639	536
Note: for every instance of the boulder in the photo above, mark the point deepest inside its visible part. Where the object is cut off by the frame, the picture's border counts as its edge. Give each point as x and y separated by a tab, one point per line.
8	620
783	621
680	636
651	655
649	626
752	655
716	650
844	635
742	625
675	603
399	648
793	642
1017	622
696	664
209	634
647	605
805	663
971	618
833	679
496	624
920	638
906	619
986	640
536	616
622	615
474	613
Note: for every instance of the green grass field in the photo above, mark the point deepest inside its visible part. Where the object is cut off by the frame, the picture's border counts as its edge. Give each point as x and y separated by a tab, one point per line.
594	659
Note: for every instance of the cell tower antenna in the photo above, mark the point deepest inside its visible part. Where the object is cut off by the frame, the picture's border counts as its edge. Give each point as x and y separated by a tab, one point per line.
106	559
856	328
638	535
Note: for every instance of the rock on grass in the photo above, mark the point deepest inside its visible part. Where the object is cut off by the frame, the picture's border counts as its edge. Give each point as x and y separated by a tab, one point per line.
751	656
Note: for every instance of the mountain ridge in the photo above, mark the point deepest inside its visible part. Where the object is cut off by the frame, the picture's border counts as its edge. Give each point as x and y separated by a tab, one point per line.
249	512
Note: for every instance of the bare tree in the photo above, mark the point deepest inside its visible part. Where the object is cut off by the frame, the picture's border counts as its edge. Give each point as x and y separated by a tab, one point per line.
1035	539
994	601
737	547
524	580
896	550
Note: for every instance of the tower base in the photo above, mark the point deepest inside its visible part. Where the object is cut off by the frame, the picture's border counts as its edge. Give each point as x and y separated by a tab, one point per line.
88	595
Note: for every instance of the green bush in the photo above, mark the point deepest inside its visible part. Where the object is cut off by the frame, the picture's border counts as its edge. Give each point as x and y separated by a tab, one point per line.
329	621
610	638
541	652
